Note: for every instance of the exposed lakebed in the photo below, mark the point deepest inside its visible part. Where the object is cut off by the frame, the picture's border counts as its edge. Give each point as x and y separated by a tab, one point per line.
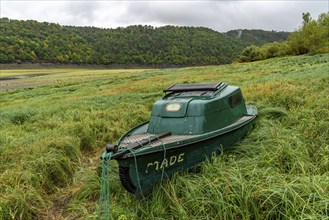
24	76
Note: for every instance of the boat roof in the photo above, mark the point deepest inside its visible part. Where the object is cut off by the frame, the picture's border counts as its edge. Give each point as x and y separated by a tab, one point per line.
195	90
194	87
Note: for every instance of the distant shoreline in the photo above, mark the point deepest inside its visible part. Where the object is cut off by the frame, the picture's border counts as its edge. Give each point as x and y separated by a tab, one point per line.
5	66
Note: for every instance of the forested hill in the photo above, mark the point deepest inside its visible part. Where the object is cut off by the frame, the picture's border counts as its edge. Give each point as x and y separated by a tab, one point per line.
258	37
32	41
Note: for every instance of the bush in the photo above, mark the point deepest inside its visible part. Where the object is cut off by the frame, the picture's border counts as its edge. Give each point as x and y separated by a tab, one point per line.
312	38
252	53
275	49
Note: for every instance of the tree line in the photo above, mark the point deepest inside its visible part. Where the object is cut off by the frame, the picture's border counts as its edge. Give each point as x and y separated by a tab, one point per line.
258	37
32	41
43	42
311	37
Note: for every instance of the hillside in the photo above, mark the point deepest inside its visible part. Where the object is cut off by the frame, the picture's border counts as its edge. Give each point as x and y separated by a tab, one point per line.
258	37
54	127
32	41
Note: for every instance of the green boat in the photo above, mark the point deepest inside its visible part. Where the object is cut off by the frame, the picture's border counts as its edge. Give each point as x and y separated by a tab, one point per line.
191	123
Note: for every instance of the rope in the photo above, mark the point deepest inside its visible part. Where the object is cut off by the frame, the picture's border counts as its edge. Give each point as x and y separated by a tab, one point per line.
138	181
136	165
164	157
104	198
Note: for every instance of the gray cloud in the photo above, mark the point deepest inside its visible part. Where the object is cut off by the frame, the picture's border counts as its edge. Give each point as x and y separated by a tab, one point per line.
82	12
226	15
218	15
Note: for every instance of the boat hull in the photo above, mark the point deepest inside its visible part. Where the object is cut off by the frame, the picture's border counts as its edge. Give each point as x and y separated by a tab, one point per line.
139	173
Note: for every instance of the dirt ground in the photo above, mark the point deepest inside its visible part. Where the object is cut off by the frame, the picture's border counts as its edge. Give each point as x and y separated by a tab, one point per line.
22	83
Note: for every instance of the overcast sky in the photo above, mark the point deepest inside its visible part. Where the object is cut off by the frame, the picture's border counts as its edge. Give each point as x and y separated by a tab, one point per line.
218	15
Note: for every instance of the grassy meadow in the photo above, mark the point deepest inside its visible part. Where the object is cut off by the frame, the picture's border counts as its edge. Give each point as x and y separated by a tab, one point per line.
54	129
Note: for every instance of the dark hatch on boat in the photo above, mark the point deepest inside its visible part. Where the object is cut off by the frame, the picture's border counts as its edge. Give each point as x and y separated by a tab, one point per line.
193	87
197	89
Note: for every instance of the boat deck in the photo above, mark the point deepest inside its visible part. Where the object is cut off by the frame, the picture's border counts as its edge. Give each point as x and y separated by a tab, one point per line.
240	121
127	141
139	137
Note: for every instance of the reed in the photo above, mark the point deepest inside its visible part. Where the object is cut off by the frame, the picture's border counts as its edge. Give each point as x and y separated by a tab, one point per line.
54	130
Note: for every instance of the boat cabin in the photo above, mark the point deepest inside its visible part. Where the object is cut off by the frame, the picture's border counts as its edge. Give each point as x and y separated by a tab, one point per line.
190	109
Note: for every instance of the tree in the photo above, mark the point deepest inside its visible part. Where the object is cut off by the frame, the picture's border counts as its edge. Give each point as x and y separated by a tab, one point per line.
312	36
306	18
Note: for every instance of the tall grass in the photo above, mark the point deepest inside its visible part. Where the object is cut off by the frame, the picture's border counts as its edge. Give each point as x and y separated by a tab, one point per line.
53	133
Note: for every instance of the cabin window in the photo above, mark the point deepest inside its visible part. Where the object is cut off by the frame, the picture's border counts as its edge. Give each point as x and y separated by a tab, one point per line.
235	99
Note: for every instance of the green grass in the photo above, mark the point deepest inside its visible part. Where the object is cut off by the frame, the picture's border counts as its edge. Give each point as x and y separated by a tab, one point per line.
54	129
